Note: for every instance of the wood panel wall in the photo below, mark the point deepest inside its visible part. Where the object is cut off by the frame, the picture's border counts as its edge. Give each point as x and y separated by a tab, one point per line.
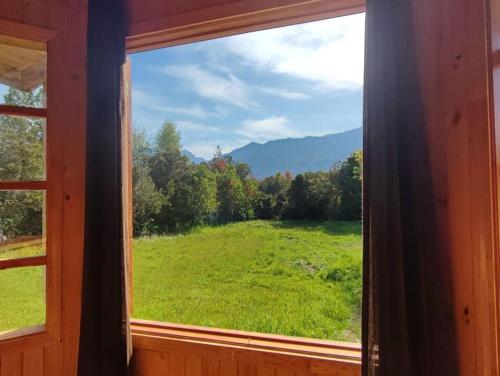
454	59
455	66
221	363
36	361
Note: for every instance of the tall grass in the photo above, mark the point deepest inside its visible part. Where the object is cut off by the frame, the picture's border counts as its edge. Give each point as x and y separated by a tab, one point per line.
299	278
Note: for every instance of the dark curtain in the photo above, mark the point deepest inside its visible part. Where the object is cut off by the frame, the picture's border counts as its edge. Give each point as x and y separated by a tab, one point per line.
104	339
408	324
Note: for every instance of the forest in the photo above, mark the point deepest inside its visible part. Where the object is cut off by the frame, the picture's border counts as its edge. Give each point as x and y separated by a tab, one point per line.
173	195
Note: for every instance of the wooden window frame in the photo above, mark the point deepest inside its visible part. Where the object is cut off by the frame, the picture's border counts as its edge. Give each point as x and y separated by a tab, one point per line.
50	332
340	357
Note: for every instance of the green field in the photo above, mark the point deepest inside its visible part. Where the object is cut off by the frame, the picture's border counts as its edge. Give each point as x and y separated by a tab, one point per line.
22	291
299	278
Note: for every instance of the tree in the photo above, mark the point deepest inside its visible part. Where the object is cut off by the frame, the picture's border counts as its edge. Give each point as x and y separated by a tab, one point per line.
276	187
349	182
147	200
230	196
167	160
192	199
167	165
21	159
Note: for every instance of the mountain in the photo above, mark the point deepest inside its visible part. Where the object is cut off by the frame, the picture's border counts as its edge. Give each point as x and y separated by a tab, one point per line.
299	155
193	158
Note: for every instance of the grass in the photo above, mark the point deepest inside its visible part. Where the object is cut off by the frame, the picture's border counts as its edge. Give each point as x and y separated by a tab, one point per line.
298	278
22	291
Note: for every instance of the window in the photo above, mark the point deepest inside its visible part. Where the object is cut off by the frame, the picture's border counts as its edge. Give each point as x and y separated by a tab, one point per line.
235	228
24	199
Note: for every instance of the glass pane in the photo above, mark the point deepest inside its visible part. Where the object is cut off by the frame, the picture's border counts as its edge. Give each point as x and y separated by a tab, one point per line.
22	224
22	148
22	297
23	72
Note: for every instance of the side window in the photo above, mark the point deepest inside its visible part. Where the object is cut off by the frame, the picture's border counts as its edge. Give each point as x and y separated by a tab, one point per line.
24	249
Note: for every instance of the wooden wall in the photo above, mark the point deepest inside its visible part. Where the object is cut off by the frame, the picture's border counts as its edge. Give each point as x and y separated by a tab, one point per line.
66	109
36	361
455	66
220	363
181	350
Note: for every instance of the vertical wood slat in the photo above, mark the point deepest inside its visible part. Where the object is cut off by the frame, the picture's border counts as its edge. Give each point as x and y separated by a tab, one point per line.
150	363
247	369
194	366
211	367
176	365
217	362
266	369
33	360
52	360
12	364
228	368
285	372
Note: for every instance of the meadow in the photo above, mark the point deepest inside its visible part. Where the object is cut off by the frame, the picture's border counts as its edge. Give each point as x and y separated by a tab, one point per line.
298	278
22	291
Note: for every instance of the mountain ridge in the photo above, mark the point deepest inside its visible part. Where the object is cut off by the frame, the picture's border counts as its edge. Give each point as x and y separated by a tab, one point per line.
297	155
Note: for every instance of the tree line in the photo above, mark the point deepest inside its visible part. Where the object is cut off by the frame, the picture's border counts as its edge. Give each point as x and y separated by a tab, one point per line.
171	194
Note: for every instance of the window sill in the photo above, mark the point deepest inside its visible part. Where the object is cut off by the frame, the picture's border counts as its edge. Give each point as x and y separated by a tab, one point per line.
33	336
322	356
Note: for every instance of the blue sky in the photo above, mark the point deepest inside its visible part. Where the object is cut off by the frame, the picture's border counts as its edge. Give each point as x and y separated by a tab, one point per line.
289	82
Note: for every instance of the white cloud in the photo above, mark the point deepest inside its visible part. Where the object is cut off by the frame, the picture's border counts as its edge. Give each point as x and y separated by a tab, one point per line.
225	88
190	126
144	100
329	53
283	93
271	128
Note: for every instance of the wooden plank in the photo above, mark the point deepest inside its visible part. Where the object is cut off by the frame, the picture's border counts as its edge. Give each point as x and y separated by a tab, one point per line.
52	359
211	367
25	338
23	43
32	112
127	189
12	364
150	363
23	262
274	342
322	367
33	362
228	368
233	18
284	372
176	365
23	185
266	369
193	366
247	369
26	31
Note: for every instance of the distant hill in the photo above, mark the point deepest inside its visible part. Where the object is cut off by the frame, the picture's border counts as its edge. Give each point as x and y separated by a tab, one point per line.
193	158
299	154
